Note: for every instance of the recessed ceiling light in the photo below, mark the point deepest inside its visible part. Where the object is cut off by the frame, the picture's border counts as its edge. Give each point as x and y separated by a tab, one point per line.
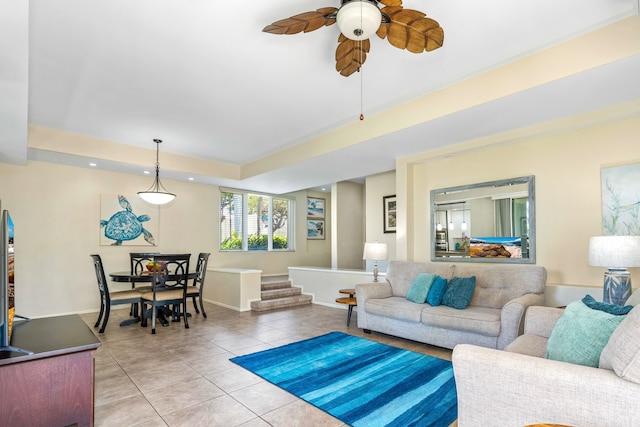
190	178
146	172
93	164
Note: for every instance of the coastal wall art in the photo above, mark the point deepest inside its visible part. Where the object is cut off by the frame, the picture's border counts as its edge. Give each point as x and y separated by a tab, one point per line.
127	221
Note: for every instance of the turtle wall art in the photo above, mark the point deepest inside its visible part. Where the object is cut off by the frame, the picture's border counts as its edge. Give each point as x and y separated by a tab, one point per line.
127	221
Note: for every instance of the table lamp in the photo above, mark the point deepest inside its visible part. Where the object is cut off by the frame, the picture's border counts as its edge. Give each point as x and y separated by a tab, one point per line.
375	252
617	253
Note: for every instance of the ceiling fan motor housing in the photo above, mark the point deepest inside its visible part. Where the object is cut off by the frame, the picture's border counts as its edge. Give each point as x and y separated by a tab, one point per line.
359	19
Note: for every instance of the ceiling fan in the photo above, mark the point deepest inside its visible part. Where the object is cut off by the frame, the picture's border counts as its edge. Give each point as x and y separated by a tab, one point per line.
360	19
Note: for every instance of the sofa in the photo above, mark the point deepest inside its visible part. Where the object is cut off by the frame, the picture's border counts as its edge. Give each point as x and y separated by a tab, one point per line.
492	318
519	386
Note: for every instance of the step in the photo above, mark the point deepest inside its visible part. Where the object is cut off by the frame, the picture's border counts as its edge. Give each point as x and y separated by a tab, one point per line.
280	293
277	303
282	284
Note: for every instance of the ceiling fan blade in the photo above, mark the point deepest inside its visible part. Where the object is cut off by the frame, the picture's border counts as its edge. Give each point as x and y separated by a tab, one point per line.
391	2
307	21
412	30
350	55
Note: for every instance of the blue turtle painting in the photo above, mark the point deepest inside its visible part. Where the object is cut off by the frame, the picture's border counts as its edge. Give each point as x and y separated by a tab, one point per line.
125	225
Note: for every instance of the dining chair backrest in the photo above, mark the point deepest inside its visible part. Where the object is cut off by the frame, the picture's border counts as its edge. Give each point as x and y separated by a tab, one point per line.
102	280
139	261
201	269
174	272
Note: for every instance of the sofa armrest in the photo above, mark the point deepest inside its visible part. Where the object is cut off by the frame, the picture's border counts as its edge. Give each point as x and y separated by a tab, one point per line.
498	388
364	291
512	316
540	320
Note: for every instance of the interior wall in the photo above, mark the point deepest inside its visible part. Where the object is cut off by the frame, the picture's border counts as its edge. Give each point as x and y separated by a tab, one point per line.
56	210
566	167
377	187
348	227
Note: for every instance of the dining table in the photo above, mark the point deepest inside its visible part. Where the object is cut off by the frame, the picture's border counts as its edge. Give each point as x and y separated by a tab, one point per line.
144	277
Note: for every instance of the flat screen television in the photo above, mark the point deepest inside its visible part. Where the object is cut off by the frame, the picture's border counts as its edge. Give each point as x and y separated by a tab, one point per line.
7	290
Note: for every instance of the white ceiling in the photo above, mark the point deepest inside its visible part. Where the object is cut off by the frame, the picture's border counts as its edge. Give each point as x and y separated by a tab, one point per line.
201	75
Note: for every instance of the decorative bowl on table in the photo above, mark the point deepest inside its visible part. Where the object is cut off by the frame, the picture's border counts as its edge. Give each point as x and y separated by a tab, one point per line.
155	266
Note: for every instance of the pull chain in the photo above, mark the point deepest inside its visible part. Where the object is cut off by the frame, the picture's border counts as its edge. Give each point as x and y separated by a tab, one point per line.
360	70
360	65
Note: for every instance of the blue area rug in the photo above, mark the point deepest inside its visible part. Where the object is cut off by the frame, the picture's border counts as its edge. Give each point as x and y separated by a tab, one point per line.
361	382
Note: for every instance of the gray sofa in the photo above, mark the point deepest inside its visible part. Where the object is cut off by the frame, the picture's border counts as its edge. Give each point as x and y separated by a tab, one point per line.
519	386
492	319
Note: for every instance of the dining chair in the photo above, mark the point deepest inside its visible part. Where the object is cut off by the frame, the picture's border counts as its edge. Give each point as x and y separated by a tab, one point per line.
195	290
139	261
168	288
109	298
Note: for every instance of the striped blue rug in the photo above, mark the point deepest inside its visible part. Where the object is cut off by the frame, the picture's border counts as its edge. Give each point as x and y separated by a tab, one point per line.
361	382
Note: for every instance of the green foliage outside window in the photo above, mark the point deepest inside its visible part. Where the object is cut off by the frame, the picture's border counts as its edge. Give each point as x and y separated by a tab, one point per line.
255	242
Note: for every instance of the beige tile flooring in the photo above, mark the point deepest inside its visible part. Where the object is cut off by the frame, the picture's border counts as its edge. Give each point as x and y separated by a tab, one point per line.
183	377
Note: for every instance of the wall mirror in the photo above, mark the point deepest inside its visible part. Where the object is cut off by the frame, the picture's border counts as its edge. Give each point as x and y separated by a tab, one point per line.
486	222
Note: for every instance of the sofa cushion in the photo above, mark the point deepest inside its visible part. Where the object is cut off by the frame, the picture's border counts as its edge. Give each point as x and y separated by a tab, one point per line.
580	334
459	292
481	320
496	285
529	344
622	352
394	308
437	290
634	299
400	274
420	288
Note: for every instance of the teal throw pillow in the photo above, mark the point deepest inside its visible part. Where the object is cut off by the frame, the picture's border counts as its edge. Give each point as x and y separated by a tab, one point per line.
580	334
459	292
437	290
420	287
616	309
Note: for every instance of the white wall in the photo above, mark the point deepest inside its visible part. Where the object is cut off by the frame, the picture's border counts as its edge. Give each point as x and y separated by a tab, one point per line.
348	229
377	187
56	210
566	167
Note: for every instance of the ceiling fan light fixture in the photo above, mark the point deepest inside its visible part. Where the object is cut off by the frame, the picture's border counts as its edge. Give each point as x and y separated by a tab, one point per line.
359	19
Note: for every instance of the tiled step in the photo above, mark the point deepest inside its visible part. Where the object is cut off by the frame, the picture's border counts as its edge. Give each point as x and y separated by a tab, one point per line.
277	292
280	293
277	303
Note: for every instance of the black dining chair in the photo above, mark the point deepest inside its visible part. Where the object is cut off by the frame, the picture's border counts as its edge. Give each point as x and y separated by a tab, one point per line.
195	289
139	261
109	298
169	289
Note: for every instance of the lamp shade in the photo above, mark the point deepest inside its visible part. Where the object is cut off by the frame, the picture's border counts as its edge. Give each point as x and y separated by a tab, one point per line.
156	197
359	19
614	251
375	251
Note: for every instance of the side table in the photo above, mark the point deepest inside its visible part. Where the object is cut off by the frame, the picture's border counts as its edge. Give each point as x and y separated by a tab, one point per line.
350	301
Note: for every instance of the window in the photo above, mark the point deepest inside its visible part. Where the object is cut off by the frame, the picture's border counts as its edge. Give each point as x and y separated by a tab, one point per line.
255	222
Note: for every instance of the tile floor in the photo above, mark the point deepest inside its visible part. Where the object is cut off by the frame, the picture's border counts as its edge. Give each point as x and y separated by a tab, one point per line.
183	377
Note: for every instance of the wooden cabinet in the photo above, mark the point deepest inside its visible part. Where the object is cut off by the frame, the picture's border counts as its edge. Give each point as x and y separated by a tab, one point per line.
54	386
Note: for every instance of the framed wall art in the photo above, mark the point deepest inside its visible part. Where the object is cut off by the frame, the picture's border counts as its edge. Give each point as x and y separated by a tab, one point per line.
127	221
315	207
621	200
389	213
315	229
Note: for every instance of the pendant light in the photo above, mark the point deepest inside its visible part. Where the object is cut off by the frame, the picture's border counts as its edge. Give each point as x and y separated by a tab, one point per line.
157	194
463	227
